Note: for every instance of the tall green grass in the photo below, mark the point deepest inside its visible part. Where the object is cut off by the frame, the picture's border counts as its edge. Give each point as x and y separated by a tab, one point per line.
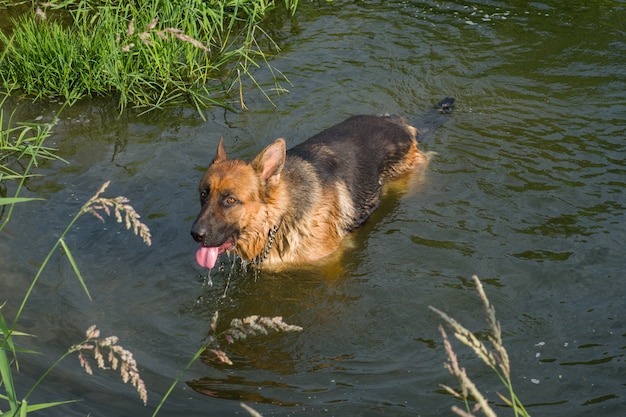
148	54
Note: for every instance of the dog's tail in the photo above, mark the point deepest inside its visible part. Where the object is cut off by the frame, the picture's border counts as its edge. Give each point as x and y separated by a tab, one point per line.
434	119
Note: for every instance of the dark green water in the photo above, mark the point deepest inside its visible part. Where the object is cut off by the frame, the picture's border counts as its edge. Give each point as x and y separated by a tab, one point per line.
527	191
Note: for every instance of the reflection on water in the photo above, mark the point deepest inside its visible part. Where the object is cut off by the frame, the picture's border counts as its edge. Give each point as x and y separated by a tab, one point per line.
240	389
527	191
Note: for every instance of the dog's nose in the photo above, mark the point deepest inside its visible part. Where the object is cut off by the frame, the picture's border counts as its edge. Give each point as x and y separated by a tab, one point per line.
198	237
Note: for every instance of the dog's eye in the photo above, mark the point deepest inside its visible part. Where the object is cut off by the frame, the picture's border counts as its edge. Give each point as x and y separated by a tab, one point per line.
230	200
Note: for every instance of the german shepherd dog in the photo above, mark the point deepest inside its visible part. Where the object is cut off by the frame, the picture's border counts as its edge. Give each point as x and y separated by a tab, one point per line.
295	206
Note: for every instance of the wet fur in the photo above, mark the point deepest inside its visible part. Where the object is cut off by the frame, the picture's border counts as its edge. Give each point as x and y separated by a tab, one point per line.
317	192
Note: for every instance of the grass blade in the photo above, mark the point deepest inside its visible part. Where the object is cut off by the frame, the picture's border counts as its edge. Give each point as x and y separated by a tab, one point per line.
7	379
14	200
36	407
74	266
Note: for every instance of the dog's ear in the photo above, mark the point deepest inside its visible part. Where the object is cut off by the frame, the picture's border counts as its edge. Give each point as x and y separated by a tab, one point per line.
220	155
269	163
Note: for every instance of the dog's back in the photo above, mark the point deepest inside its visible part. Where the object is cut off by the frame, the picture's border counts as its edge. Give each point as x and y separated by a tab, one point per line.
362	153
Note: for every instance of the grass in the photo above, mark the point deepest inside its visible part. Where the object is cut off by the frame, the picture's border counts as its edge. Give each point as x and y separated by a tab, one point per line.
496	358
148	54
97	205
117	358
21	151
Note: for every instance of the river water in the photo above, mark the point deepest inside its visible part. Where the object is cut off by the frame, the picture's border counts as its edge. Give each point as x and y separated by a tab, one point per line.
527	191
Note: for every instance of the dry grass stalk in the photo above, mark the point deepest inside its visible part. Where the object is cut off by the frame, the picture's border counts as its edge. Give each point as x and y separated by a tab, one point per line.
497	359
241	329
124	212
177	33
117	358
145	36
468	387
468	339
40	13
131	27
251	410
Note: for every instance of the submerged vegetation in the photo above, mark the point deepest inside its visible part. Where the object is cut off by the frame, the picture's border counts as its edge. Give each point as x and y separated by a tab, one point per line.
147	54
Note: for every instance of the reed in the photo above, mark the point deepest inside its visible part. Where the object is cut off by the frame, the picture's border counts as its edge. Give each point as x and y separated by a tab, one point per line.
116	358
496	358
148	54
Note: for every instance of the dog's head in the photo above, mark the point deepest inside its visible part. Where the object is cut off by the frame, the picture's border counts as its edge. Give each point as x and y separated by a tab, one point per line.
234	195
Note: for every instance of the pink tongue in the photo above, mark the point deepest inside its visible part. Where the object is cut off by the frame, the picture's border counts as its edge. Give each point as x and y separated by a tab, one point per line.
206	257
